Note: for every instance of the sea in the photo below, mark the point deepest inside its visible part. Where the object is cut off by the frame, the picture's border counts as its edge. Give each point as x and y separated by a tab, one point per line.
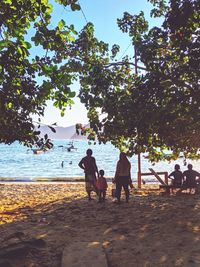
19	163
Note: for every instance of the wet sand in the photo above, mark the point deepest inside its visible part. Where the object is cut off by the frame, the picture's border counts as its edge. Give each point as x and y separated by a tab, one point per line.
38	220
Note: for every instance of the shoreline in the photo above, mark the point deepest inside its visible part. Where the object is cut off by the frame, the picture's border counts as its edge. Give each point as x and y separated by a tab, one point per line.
64	180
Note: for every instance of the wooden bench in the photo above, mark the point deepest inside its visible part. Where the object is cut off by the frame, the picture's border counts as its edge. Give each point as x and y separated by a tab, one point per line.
164	185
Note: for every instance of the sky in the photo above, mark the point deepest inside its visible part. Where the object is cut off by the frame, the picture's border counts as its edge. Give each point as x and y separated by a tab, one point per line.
103	14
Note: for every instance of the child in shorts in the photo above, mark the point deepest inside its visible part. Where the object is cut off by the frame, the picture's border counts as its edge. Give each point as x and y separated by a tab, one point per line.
102	186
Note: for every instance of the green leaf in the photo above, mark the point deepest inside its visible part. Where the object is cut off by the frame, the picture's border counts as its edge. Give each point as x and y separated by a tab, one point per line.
75	7
71	38
52	129
61	24
50	8
71	94
27	45
8	2
19	50
4	44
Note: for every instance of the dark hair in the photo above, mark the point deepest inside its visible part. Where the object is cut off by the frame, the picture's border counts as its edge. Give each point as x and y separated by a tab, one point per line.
89	152
124	162
190	166
177	167
101	172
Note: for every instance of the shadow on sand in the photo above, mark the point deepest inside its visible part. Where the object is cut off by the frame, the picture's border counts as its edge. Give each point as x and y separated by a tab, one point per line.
149	231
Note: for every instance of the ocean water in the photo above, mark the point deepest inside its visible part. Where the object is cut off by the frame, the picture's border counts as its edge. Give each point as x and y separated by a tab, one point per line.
19	162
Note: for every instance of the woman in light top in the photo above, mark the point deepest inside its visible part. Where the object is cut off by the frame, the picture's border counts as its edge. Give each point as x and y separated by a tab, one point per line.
122	176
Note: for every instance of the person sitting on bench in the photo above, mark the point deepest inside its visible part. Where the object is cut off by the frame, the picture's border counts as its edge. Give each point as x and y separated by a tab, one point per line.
190	178
178	177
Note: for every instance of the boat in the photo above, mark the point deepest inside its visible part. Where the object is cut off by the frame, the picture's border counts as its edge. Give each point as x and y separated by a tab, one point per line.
71	147
38	151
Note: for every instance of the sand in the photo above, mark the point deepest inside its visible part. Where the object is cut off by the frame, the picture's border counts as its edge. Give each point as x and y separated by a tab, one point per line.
39	220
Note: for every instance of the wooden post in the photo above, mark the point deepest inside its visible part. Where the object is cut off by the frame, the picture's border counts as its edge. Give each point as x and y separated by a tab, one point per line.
139	156
139	171
166	178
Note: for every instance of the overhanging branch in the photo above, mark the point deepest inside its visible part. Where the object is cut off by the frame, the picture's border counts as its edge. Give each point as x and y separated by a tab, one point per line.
124	63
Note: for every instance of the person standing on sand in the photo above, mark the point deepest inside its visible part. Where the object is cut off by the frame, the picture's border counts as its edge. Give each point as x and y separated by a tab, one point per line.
101	186
88	164
122	176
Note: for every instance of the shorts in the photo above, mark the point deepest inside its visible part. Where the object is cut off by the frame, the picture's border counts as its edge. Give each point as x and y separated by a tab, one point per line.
90	182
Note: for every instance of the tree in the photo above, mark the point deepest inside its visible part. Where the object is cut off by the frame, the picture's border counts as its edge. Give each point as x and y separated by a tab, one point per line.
148	103
157	109
27	81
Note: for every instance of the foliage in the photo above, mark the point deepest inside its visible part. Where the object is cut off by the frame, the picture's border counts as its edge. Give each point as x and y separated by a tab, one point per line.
28	79
148	103
155	110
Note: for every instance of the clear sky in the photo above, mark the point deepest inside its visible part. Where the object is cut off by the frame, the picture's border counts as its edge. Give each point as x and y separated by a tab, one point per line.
103	14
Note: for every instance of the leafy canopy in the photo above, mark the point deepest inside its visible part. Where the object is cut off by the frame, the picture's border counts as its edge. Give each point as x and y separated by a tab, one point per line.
148	103
28	79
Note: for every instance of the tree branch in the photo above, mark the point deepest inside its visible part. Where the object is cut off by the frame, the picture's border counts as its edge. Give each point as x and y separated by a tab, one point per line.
115	64
123	63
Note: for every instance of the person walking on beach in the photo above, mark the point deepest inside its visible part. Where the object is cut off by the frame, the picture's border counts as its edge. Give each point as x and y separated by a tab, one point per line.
122	176
88	164
190	178
101	186
177	175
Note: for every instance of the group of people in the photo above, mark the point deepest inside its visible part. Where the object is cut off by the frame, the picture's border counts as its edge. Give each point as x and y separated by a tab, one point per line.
184	180
95	180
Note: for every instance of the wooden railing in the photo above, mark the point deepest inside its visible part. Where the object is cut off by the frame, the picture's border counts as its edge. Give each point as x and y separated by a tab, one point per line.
157	175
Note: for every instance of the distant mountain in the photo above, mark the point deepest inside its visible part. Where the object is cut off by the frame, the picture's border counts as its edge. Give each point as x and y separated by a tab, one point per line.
61	132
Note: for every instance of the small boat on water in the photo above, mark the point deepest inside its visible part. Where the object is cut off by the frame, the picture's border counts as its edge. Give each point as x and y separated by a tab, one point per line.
38	151
71	147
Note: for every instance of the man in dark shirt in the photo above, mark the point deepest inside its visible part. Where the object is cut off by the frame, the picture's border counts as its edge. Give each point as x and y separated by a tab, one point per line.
88	164
190	175
178	176
177	179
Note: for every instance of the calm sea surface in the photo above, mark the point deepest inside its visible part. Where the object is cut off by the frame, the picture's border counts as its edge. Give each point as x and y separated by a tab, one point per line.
17	162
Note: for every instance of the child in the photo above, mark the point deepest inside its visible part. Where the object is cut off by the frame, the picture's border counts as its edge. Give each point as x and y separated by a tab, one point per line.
101	186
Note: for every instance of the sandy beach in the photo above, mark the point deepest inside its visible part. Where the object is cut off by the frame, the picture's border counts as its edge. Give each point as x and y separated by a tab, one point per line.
38	220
